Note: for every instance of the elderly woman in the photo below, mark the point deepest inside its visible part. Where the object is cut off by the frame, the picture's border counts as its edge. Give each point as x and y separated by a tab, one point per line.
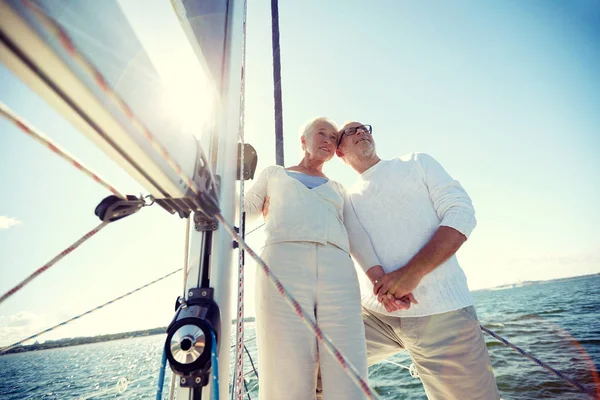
307	248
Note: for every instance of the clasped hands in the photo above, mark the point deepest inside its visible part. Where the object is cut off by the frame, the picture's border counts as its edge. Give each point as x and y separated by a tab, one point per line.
394	290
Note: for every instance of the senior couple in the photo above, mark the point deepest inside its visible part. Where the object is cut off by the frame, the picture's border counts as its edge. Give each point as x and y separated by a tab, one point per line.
402	222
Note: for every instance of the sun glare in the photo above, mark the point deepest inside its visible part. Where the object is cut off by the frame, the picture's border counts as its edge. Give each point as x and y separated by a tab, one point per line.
187	101
188	91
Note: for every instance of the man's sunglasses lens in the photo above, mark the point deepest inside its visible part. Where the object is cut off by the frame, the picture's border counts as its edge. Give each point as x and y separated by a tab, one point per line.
352	131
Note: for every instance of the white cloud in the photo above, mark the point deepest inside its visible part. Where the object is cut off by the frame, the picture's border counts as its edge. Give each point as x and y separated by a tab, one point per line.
18	326
562	258
7	222
24	318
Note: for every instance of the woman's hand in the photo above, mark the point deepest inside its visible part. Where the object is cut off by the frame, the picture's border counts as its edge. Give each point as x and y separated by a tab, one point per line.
265	209
391	304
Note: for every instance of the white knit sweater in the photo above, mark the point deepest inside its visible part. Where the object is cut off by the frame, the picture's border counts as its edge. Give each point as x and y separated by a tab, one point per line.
401	203
299	214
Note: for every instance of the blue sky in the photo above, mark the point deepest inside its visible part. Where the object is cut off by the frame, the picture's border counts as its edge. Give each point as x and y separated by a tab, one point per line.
504	94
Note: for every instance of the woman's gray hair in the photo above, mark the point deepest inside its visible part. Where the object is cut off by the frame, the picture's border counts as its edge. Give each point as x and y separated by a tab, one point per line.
310	125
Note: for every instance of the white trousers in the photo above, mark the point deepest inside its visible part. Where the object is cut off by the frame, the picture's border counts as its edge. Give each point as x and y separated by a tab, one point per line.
323	280
447	349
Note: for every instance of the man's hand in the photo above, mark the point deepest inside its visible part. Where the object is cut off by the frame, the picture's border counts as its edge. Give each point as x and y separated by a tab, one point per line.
398	284
390	303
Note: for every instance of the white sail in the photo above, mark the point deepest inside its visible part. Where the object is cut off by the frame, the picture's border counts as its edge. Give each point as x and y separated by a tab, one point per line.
85	59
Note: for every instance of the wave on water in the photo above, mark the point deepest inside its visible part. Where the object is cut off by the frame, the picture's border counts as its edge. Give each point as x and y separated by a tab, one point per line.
494	343
541	313
494	325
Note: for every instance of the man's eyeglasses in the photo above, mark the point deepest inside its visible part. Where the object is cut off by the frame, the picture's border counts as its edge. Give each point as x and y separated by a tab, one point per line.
353	130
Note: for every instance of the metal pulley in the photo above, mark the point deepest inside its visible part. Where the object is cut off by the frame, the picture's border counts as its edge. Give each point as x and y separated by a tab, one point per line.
113	208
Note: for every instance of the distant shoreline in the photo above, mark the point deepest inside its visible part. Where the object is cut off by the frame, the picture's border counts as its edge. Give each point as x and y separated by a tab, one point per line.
527	283
68	342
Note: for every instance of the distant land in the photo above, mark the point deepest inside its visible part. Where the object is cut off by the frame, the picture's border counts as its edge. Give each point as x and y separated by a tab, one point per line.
527	283
54	344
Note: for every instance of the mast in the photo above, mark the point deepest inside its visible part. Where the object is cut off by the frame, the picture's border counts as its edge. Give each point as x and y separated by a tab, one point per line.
210	247
277	83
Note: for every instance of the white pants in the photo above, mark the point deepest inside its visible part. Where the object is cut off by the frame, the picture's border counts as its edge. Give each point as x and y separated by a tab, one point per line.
323	280
447	349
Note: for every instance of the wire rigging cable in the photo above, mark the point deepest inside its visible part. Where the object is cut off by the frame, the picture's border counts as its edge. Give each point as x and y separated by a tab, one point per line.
5	349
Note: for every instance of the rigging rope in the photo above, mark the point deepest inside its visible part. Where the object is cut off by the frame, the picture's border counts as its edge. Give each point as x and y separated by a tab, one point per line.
161	375
68	44
255	229
396	364
26	127
53	261
249	357
314	327
247	392
5	349
571	382
238	371
251	362
215	367
55	29
29	129
186	254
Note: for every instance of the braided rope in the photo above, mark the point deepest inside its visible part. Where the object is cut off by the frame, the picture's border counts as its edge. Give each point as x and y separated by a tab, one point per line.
67	43
40	137
50	263
251	362
255	229
161	375
215	367
55	29
538	362
5	349
314	327
238	371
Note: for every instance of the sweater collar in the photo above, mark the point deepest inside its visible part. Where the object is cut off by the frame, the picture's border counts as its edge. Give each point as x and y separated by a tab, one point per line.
371	171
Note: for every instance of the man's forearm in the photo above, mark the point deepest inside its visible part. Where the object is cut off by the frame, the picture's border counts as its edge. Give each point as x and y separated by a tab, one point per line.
443	244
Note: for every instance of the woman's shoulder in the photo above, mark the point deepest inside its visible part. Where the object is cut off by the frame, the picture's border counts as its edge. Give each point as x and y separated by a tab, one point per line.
337	186
275	168
271	169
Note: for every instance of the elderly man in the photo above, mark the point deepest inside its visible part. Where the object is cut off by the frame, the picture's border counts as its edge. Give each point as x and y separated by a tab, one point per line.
417	217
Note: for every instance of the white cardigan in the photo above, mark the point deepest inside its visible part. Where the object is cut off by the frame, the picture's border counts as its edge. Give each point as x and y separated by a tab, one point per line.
401	203
299	214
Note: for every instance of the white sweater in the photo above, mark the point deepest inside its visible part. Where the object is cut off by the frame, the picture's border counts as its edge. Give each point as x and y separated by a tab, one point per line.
299	214
401	203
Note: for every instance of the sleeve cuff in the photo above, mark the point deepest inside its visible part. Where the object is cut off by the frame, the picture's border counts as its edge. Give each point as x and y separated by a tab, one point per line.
366	259
462	222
